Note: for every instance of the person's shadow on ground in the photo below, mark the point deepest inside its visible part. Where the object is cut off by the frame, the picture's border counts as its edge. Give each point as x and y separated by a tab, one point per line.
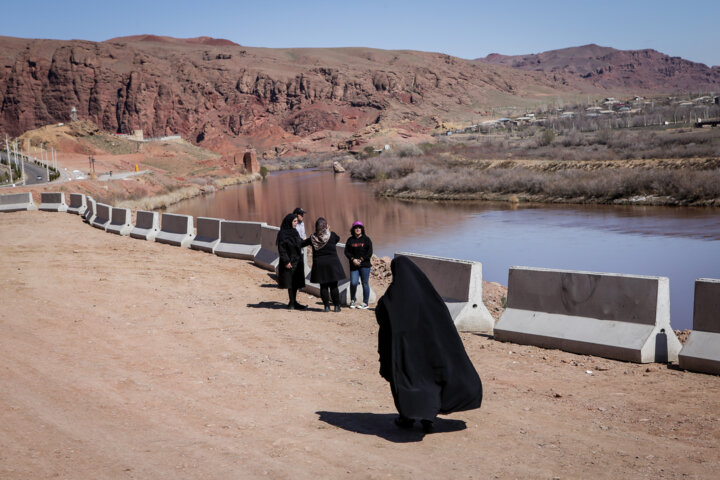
270	305
383	425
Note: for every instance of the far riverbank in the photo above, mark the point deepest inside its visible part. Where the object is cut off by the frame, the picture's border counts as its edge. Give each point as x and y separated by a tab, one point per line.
657	182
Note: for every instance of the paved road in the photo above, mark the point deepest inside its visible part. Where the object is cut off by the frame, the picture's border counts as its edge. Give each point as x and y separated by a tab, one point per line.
32	172
36	175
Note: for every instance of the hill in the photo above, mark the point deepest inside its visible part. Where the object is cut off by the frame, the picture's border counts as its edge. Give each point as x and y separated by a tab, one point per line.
227	97
628	70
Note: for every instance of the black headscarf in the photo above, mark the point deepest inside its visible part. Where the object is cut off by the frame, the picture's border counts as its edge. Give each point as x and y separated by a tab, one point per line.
287	231
421	353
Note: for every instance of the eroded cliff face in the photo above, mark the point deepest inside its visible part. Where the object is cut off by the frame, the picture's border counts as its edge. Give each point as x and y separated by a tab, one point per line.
228	95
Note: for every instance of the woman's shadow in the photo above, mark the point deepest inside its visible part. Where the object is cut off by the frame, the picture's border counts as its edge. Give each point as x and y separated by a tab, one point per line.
383	425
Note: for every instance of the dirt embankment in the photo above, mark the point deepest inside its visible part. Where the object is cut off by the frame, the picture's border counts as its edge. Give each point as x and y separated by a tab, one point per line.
128	359
169	171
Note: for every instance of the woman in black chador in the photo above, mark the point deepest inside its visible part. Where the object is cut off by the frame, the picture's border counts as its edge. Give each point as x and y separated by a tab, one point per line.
291	266
327	269
421	353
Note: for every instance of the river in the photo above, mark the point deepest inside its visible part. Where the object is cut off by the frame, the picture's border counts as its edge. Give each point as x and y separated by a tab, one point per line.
680	243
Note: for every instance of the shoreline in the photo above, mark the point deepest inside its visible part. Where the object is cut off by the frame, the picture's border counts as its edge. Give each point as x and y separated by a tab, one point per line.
517	198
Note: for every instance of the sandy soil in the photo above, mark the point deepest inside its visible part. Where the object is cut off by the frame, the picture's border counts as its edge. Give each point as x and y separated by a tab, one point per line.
121	358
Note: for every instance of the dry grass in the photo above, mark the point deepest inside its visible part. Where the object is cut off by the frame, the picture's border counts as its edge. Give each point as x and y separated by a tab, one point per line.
598	167
682	186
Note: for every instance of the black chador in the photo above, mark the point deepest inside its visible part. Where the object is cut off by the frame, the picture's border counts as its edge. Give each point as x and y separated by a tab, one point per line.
290	246
421	353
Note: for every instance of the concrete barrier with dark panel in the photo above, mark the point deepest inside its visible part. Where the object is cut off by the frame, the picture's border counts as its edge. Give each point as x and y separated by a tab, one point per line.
268	257
239	239
459	283
120	221
90	211
53	202
16	202
208	234
701	352
77	205
176	230
624	317
147	225
102	216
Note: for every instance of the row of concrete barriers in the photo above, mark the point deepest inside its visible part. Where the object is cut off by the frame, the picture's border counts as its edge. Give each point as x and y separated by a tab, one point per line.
624	317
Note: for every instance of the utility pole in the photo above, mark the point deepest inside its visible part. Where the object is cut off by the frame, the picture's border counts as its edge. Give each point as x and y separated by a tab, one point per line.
47	165
7	148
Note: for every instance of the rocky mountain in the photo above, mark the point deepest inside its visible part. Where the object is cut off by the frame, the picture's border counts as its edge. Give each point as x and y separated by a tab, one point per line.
226	96
641	70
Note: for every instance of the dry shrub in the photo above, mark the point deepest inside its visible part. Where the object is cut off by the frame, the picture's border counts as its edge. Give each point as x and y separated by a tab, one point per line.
610	184
382	168
409	150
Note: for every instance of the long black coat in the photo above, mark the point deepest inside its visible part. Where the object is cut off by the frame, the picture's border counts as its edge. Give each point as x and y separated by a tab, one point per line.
326	264
290	246
421	353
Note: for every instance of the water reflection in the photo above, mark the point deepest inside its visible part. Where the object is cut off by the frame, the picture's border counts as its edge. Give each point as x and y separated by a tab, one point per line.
680	243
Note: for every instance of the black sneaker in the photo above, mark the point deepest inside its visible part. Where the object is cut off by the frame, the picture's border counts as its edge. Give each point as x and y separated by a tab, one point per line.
337	308
299	306
291	306
327	308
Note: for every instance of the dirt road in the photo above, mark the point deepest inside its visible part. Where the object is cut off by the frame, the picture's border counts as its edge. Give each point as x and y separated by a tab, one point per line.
121	358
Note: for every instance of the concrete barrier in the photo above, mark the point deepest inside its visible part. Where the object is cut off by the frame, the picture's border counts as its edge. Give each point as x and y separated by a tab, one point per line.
459	283
102	216
176	230
15	202
90	211
120	221
343	285
78	204
268	257
624	317
239	239
147	225
208	234
53	202
701	352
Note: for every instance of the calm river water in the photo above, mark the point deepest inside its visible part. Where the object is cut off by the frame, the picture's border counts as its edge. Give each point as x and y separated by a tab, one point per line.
680	243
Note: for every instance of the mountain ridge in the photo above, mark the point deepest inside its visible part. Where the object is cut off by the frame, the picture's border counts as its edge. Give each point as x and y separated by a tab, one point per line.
227	97
607	67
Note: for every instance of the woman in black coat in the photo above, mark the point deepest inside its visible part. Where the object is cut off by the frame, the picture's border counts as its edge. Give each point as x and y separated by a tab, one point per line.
326	269
291	266
421	353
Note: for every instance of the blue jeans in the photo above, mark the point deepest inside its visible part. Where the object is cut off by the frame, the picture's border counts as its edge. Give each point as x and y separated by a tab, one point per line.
355	275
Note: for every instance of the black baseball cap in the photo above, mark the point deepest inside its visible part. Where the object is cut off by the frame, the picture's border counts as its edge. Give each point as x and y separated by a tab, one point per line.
299	211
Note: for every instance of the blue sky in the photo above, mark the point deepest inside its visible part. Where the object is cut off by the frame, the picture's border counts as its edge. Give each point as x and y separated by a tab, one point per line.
467	29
